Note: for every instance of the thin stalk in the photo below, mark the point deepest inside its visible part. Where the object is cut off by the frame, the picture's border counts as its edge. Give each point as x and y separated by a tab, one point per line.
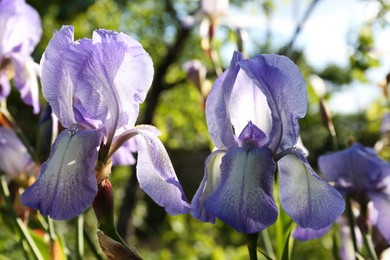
91	245
352	223
369	246
252	245
80	237
267	243
21	227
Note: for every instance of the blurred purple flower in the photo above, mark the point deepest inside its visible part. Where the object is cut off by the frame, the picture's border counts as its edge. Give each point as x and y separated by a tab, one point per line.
94	87
14	159
359	172
20	32
252	114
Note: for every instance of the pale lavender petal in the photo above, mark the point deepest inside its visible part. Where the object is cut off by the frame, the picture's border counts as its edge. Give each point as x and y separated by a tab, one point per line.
211	179
307	199
283	85
20	27
356	168
5	86
381	202
14	158
304	234
66	183
26	81
57	87
217	106
215	8
243	198
155	172
248	103
124	156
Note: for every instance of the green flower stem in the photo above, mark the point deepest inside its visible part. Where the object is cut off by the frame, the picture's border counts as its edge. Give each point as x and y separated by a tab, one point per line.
252	245
267	243
21	227
91	245
369	246
80	237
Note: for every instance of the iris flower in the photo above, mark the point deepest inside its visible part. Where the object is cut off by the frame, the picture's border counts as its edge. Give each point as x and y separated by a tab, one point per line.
252	115
94	87
20	32
14	159
361	174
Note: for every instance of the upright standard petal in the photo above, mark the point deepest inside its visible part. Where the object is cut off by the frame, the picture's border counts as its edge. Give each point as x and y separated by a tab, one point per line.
57	87
307	199
112	74
14	158
356	168
66	183
243	199
217	106
283	85
155	172
211	180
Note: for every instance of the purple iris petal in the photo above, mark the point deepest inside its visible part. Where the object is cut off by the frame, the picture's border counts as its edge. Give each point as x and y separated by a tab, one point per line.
282	83
20	27
308	233
25	80
217	106
66	183
155	172
356	168
248	103
5	86
381	202
57	87
20	32
211	179
252	135
243	198
124	156
307	199
17	159
109	75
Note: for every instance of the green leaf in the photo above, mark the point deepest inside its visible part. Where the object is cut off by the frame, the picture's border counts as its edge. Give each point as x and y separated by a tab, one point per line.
265	255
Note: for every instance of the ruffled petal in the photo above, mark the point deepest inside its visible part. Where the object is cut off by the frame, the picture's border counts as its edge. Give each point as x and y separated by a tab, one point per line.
57	87
307	199
155	172
381	202
304	234
283	85
14	158
112	74
243	199
66	183
210	181
356	168
217	106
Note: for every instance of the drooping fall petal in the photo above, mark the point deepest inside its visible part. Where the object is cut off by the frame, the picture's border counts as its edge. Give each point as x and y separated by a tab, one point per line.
66	183
243	199
309	200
